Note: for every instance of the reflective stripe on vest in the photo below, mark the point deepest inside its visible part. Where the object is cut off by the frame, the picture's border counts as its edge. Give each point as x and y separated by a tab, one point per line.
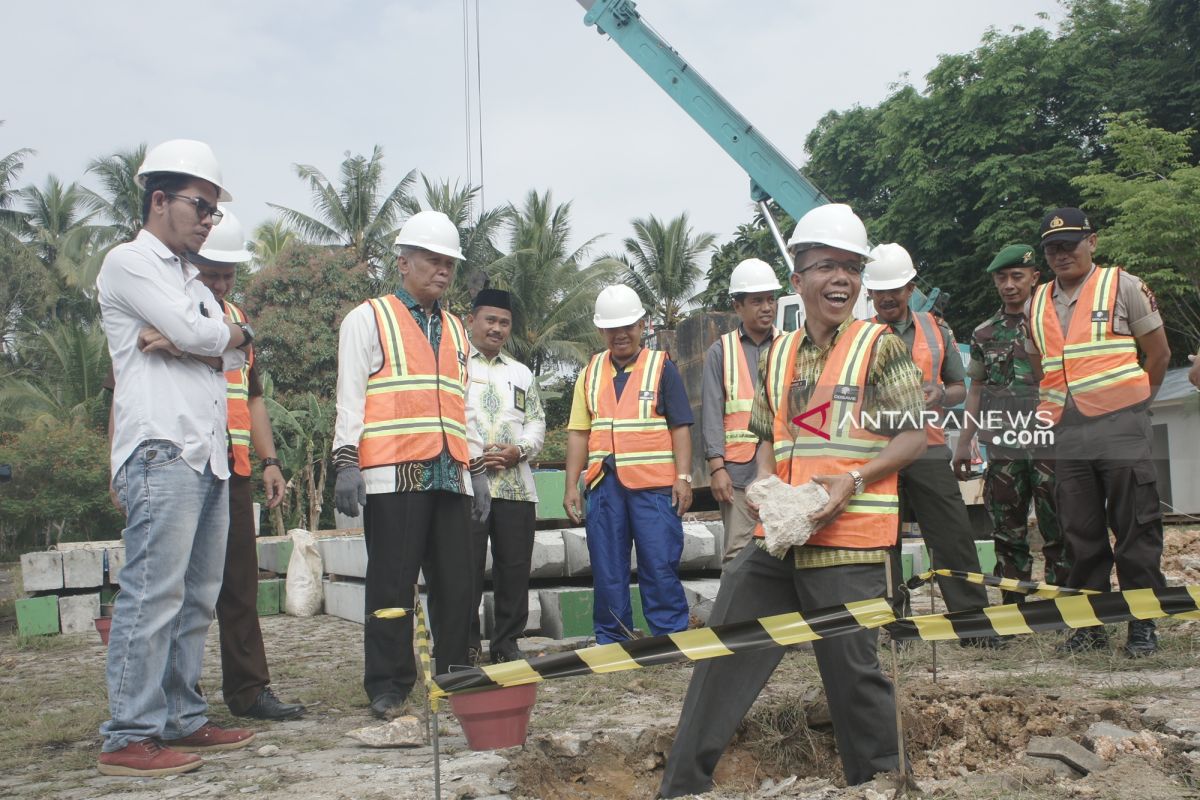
871	519
929	354
739	400
416	403
630	429
1094	364
237	402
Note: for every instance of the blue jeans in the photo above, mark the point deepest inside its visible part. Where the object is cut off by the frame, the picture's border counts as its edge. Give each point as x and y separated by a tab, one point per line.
618	520
176	524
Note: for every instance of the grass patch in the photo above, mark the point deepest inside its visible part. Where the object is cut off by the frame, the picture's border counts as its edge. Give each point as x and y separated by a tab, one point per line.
1129	691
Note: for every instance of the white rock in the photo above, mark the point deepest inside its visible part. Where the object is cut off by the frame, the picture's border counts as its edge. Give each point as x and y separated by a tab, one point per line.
786	511
406	731
268	750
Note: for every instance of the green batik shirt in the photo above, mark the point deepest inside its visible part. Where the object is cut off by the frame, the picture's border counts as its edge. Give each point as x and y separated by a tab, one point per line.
999	360
893	385
508	410
440	473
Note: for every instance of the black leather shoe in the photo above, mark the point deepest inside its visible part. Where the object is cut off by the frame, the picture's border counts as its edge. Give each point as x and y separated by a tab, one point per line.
268	706
507	652
1085	639
1142	640
388	706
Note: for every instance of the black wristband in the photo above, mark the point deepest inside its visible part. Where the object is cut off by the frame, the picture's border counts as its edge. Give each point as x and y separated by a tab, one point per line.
712	472
272	462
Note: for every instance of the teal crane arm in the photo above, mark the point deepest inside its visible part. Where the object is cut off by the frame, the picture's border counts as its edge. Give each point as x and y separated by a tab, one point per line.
772	175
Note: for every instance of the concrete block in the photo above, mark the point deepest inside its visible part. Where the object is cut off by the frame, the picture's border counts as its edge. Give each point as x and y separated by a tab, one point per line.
37	616
550	485
42	572
77	612
1066	751
575	549
83	568
567	612
699	546
916	552
344	556
1057	768
274	552
116	560
700	596
345	599
487	612
717	529
986	548
268	596
549	555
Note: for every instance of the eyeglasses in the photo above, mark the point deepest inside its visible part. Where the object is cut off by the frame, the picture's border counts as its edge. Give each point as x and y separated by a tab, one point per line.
1054	248
828	267
203	208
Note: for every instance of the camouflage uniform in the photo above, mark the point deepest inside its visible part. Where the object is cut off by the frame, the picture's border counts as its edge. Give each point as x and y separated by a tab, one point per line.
1015	476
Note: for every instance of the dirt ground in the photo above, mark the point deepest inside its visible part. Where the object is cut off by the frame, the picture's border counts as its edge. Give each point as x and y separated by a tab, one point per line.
607	736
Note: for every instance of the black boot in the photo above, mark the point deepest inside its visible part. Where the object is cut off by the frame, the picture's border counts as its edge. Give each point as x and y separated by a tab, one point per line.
1142	640
1084	639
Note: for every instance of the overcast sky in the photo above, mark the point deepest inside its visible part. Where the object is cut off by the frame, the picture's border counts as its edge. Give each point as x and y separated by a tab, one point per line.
271	83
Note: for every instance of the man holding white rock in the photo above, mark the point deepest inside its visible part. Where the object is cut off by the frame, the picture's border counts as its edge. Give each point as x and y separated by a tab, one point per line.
827	395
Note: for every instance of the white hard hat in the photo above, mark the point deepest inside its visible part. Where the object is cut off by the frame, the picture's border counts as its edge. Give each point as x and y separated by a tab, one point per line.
890	267
433	231
831	225
753	275
184	157
618	306
226	242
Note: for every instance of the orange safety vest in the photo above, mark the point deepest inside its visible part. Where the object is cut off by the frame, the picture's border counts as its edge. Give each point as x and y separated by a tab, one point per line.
416	402
1094	364
740	443
630	429
237	401
929	354
872	518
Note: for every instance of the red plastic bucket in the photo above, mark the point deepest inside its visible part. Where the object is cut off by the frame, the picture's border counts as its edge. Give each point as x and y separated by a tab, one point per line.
495	718
103	624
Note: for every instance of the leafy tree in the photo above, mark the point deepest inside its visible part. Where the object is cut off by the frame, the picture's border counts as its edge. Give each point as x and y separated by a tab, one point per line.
58	227
11	166
119	201
297	304
552	288
356	214
59	490
752	240
663	259
27	290
303	438
270	239
60	377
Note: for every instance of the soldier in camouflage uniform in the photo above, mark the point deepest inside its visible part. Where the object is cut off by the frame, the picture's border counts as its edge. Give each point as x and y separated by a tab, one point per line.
1004	392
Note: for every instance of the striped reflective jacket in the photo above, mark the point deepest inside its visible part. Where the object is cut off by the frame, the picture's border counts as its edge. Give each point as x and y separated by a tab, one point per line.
929	354
739	399
237	401
629	429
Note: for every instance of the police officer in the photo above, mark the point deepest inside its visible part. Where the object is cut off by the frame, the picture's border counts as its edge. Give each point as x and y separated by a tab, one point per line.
730	380
1087	326
1003	397
927	485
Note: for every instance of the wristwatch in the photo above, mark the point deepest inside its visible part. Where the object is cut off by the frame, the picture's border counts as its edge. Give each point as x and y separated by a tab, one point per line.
524	453
683	477
247	332
272	462
859	483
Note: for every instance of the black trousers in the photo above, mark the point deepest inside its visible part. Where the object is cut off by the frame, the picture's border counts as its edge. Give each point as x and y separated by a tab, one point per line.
405	531
1107	480
928	487
243	659
510	527
861	699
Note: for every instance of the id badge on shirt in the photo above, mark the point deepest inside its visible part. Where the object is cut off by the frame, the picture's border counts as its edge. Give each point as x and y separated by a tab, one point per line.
519	399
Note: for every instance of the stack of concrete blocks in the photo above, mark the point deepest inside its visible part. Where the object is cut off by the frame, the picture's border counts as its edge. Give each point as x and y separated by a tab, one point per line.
66	586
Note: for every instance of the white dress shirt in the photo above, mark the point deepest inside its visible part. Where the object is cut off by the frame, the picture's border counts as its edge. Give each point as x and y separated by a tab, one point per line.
157	396
360	355
507	409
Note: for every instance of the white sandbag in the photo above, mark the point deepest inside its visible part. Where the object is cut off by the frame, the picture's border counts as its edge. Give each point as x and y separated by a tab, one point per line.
305	593
786	511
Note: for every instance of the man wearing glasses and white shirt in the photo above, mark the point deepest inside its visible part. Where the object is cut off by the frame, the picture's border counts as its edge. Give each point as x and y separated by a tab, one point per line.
170	347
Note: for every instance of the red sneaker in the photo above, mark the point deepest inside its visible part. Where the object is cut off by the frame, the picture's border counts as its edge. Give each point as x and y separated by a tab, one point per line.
209	737
146	758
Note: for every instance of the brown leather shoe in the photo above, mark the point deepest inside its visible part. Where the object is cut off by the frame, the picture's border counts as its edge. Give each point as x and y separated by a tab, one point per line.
146	758
210	737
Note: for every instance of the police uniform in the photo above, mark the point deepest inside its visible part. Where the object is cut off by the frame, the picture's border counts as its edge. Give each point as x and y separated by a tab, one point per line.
1097	395
1015	476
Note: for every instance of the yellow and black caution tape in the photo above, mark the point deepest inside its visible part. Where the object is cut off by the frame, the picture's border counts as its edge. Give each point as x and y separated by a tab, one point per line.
423	656
1079	611
391	613
1037	588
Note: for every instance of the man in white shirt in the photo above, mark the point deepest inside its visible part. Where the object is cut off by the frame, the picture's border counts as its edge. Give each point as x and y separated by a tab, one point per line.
407	453
170	346
508	415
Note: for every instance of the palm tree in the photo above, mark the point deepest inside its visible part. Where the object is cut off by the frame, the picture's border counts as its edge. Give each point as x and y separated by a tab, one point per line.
119	202
356	214
552	289
10	167
663	261
60	377
270	239
57	228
